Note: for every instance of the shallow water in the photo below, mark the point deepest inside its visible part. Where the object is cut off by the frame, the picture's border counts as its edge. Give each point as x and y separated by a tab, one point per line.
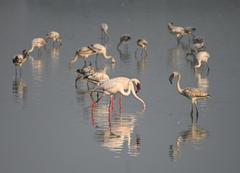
48	126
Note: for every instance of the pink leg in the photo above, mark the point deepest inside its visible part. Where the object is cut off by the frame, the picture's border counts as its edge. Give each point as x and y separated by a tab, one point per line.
120	103
112	103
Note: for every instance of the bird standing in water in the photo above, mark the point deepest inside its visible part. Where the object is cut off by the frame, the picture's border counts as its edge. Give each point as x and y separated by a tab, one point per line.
143	44
104	32
54	36
202	57
125	38
19	60
180	31
119	85
191	93
37	43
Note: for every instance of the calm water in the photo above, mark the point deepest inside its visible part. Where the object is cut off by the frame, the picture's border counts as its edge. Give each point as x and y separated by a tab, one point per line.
47	125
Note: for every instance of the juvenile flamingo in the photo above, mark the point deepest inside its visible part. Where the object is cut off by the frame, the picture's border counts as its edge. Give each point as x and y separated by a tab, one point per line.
119	85
125	38
191	93
93	49
54	36
180	31
143	44
37	43
19	60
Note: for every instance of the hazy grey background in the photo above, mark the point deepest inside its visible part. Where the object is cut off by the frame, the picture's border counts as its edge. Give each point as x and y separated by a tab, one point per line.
46	124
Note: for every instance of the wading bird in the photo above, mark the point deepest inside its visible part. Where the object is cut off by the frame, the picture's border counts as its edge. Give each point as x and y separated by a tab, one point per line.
19	60
143	44
90	74
83	53
197	46
37	43
104	32
93	49
54	36
202	57
191	93
119	85
180	31
101	50
125	38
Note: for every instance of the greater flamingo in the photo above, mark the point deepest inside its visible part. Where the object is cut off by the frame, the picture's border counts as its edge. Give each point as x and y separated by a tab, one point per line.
143	44
37	43
119	85
104	32
125	38
54	36
19	60
202	57
180	31
191	93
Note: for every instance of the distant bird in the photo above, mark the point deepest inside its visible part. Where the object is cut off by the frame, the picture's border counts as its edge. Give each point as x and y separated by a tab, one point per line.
202	57
20	59
93	49
191	93
180	31
125	38
119	85
54	36
104	32
37	43
197	46
143	44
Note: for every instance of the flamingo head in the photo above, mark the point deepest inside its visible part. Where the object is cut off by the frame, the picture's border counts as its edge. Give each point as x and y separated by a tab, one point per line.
172	76
137	84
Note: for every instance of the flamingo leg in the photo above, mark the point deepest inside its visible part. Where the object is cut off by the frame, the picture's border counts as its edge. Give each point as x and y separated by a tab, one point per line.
120	103
191	114
136	52
196	113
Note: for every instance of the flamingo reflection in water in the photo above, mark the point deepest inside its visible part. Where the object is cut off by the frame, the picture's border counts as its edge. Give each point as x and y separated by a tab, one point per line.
116	131
194	135
19	88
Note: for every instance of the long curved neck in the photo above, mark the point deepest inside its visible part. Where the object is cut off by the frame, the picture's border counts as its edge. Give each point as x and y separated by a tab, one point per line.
179	89
31	49
105	55
198	65
74	60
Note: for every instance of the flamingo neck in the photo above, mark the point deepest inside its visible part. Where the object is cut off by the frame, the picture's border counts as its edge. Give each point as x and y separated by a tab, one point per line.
131	87
198	65
106	56
179	89
31	49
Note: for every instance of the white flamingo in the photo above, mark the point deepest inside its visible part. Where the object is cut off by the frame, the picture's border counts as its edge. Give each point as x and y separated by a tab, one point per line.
202	57
37	43
119	85
104	32
54	36
180	31
191	93
19	60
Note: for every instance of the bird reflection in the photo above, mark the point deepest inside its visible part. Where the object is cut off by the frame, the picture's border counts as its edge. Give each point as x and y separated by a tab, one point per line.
124	55
37	67
141	61
194	135
19	88
114	131
176	55
55	51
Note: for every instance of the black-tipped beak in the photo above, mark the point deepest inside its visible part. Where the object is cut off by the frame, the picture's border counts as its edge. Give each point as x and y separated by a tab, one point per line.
171	78
138	86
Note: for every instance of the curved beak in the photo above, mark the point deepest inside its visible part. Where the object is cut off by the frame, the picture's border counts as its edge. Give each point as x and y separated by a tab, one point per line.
171	78
138	87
